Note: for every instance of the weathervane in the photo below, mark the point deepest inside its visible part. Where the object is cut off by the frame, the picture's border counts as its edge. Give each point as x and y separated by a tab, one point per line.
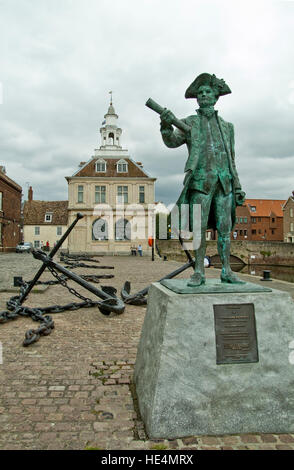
110	97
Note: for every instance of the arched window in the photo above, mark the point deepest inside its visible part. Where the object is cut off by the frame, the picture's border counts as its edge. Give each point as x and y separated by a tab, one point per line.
123	230
111	138
100	229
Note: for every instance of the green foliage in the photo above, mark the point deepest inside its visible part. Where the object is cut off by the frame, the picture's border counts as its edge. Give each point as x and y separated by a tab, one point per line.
93	448
166	220
159	447
265	253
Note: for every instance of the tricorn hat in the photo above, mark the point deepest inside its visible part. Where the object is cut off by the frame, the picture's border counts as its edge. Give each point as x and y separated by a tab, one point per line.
207	79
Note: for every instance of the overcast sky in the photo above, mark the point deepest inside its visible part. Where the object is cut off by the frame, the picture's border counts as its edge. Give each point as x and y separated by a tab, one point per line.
60	58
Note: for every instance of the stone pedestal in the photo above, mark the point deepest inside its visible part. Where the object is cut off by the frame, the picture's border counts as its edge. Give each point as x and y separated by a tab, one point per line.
181	389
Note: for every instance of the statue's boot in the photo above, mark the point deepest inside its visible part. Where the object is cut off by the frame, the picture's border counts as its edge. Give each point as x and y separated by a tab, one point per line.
198	277
227	275
196	280
230	277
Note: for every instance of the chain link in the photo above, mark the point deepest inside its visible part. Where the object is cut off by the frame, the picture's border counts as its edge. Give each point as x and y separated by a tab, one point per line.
62	281
16	309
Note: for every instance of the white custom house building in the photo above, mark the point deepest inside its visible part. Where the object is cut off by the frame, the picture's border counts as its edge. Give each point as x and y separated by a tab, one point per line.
116	196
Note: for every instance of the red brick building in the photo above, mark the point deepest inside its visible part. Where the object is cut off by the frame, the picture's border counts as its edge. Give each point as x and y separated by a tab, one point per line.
266	219
262	219
242	229
10	212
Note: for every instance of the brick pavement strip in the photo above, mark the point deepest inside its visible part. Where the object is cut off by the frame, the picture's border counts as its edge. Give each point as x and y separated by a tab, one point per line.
73	389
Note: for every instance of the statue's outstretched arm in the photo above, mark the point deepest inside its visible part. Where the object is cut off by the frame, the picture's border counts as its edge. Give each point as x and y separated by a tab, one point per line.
171	137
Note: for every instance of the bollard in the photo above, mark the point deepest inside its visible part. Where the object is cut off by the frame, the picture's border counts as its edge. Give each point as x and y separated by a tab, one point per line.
266	276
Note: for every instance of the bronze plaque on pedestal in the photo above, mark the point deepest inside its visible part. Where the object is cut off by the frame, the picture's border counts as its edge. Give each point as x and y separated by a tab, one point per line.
235	332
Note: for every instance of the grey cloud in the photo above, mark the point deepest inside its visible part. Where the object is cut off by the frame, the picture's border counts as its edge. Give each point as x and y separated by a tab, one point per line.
64	57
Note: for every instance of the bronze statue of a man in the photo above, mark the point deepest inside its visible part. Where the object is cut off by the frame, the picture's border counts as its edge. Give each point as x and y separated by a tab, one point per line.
211	178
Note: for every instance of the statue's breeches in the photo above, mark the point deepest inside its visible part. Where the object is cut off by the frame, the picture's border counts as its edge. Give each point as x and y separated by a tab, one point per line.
216	207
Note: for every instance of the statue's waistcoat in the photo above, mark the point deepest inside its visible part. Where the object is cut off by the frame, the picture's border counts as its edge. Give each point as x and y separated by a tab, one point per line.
194	139
212	164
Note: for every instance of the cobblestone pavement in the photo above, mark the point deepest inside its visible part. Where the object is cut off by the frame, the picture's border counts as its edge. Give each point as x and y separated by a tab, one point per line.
73	389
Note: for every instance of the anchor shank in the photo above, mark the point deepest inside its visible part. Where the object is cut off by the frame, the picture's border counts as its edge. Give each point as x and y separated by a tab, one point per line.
78	279
51	254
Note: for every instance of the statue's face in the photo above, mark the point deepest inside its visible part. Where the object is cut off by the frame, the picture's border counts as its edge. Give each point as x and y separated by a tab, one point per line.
206	96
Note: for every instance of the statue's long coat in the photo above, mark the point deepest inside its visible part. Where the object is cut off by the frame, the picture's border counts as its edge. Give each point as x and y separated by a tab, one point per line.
192	139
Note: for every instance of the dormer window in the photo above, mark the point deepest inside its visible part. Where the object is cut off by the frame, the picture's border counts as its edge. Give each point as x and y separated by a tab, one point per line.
48	217
122	166
100	166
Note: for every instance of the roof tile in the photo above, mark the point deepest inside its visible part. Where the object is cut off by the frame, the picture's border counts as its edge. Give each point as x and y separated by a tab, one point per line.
133	170
264	207
34	212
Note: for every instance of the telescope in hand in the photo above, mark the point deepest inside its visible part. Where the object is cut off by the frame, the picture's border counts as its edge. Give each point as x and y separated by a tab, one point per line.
159	109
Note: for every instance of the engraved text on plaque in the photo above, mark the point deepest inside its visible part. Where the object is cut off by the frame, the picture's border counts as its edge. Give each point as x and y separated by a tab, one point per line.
235	332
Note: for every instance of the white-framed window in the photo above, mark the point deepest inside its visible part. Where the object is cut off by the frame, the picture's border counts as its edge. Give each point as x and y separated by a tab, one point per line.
122	166
80	193
36	243
292	227
1	201
48	217
141	194
100	194
291	211
37	230
122	194
58	230
100	166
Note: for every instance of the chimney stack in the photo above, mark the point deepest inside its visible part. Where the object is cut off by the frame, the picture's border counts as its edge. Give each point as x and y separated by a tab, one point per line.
30	194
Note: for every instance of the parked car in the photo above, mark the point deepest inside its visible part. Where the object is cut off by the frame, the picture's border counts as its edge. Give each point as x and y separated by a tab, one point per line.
24	247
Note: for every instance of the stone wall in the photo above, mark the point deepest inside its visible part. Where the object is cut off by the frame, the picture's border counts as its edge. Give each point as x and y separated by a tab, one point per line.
251	252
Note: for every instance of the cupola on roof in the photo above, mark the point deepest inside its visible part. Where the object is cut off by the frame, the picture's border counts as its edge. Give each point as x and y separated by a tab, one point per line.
110	132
